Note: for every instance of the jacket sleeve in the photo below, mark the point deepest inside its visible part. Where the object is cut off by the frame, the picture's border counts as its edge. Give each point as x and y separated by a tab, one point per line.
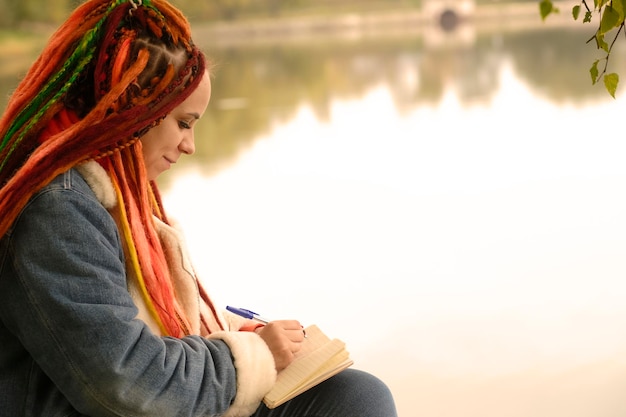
70	307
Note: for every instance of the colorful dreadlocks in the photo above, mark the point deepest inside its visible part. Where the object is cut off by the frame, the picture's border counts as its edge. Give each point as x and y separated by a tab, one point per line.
112	71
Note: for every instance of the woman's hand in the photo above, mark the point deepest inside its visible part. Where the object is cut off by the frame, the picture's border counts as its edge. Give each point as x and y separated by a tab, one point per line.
284	338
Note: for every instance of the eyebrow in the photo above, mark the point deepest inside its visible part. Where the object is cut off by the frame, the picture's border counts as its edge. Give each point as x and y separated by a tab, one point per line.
194	115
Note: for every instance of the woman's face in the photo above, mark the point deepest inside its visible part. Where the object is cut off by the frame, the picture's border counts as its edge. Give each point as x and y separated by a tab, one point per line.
165	143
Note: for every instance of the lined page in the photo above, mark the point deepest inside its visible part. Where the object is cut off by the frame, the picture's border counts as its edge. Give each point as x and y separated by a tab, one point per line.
318	357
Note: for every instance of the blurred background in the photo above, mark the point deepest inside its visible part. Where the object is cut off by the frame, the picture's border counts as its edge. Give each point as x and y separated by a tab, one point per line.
437	183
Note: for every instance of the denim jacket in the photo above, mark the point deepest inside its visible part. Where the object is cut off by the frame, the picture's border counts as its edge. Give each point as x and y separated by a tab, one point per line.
71	340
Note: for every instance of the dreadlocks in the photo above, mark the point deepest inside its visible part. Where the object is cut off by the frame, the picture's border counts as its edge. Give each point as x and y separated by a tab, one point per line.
114	70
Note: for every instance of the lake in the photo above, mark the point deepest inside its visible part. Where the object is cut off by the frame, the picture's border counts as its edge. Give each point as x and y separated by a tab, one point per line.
451	205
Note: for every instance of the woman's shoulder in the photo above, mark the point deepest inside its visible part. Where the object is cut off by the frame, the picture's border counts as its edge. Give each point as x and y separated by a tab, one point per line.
66	205
82	193
88	180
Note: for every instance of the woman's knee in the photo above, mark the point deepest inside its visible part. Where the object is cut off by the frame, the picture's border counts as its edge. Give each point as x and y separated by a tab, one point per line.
363	392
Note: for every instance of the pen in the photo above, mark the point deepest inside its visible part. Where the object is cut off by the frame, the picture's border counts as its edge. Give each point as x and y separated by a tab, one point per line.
249	314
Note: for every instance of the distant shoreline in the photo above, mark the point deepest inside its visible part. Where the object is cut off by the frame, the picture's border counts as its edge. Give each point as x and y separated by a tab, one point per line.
501	18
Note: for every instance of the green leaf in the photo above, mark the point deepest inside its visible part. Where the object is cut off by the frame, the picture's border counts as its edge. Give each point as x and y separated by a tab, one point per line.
588	16
545	8
619	7
610	82
593	71
601	44
609	20
576	11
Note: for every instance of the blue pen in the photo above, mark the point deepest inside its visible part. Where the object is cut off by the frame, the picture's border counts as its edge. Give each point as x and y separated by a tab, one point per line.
243	312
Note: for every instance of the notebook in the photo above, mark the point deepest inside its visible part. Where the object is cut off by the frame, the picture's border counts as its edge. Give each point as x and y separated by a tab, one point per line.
319	358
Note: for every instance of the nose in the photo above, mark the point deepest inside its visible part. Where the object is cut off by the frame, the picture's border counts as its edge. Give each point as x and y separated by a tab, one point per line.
188	144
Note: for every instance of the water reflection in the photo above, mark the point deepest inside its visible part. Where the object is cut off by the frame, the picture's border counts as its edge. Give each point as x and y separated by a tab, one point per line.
260	85
454	213
479	259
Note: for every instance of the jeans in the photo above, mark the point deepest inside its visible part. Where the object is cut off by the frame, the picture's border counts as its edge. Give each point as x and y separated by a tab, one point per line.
351	393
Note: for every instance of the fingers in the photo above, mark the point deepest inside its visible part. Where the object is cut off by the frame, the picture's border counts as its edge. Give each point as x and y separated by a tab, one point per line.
284	338
292	329
293	325
288	324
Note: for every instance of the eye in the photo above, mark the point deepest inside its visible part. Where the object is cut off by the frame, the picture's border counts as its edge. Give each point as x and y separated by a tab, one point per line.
184	124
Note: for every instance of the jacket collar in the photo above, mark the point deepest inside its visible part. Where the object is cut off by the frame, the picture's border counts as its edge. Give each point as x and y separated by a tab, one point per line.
99	182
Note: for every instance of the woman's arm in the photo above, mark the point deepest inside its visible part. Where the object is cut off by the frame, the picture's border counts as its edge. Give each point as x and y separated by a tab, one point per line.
68	303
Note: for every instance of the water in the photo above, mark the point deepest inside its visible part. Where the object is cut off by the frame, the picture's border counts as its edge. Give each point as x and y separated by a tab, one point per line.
463	253
455	213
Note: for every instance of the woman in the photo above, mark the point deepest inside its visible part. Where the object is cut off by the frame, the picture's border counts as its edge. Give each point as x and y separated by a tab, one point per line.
100	312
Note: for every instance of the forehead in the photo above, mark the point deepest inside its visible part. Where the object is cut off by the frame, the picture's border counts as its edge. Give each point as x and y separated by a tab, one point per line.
199	98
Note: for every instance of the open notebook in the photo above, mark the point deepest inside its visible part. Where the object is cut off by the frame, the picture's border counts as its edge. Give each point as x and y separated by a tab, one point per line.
318	359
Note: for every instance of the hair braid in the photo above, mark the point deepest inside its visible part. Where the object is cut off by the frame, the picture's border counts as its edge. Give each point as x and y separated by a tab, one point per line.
65	77
39	107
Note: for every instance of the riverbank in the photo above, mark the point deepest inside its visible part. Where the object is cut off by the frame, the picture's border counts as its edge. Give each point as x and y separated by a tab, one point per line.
17	49
436	21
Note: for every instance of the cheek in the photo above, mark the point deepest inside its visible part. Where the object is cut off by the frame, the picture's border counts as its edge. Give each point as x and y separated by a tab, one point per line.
147	144
150	142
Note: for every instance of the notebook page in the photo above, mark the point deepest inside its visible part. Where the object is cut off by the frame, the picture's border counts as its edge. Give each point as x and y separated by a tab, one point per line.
315	352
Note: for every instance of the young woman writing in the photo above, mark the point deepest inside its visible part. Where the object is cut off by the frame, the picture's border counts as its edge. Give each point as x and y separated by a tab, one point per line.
101	313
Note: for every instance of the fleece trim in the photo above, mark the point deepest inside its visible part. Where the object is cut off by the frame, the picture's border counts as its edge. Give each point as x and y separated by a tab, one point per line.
99	182
256	372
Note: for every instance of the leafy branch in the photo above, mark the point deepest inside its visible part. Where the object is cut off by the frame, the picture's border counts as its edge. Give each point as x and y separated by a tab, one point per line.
611	24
